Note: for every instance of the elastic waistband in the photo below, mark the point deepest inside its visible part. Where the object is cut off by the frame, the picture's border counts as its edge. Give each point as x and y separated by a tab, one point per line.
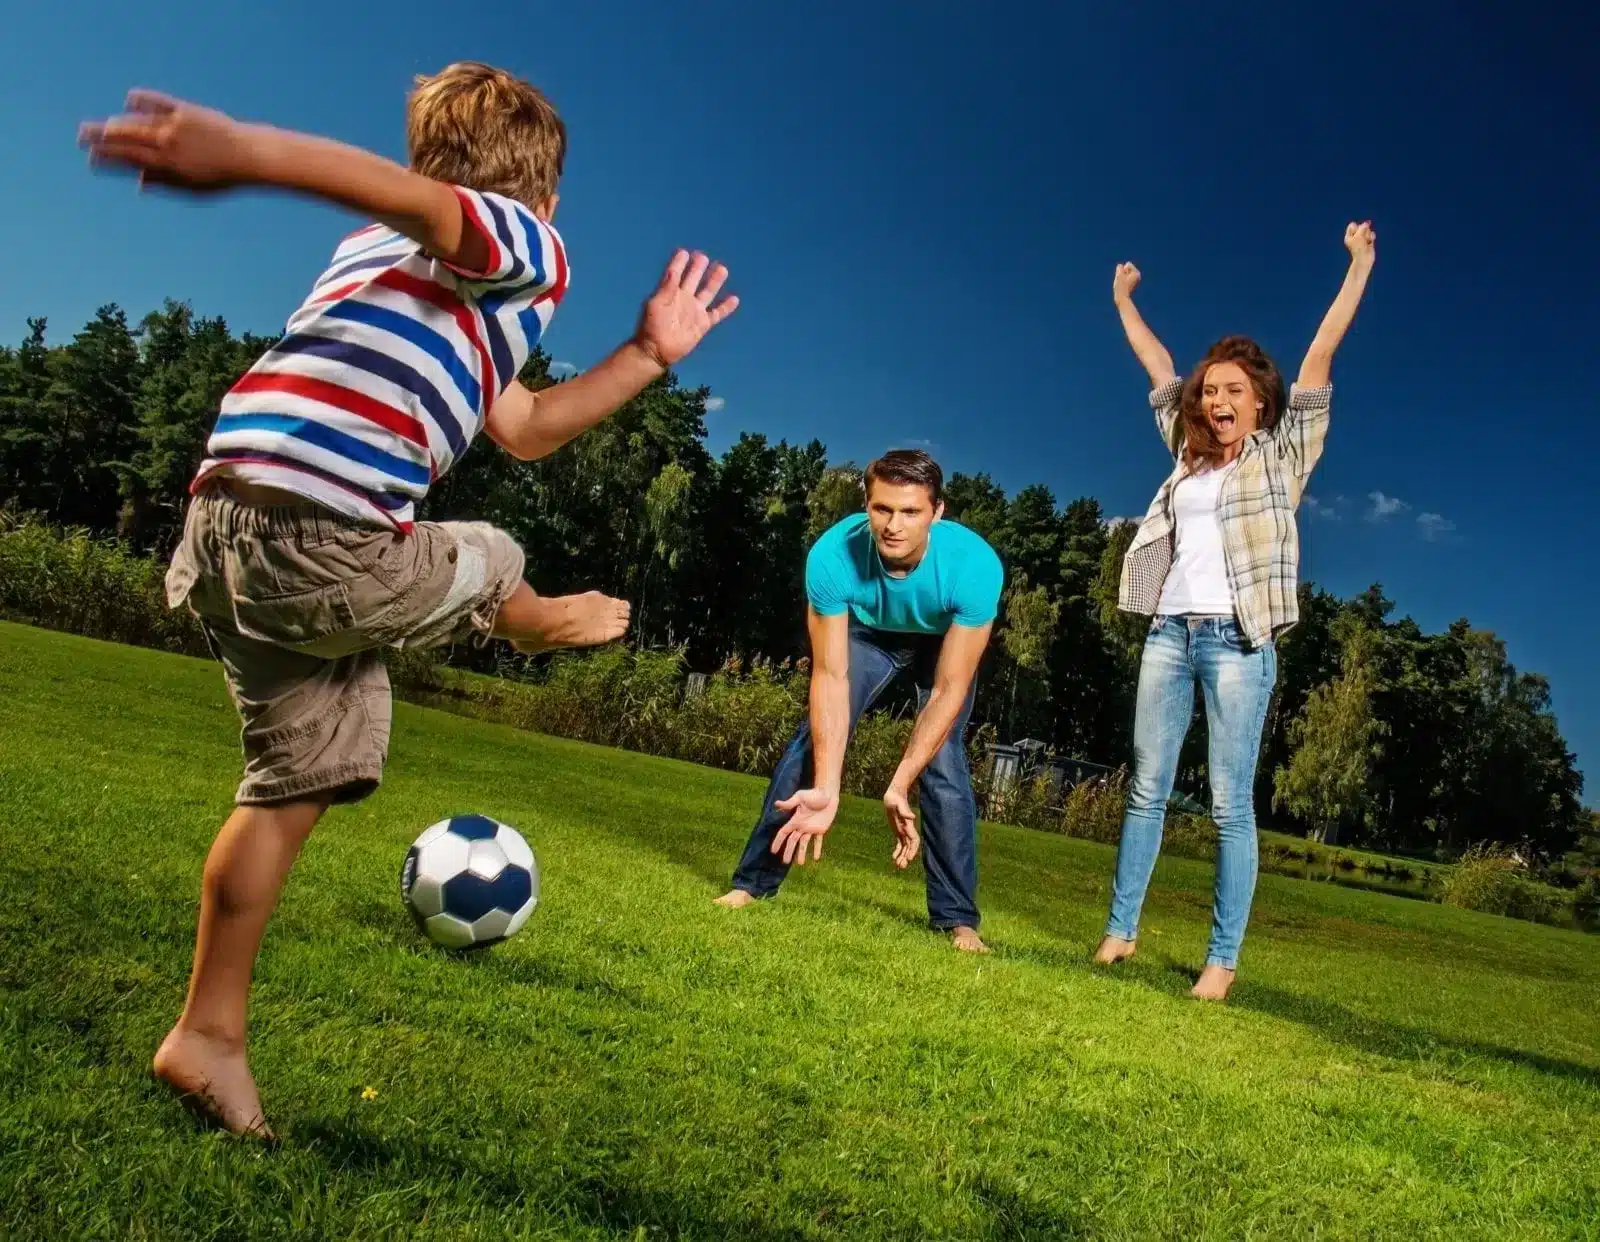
303	520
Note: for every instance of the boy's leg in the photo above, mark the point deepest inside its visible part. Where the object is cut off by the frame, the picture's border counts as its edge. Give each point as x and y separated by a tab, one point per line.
760	871
204	1054
950	835
461	579
536	622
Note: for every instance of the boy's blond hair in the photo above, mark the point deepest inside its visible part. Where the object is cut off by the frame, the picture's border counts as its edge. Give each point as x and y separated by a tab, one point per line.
476	126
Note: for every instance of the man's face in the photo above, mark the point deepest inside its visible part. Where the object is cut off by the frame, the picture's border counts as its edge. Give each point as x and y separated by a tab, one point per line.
900	515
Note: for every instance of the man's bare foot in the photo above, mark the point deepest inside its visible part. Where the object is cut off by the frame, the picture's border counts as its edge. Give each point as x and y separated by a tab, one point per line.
736	899
1213	984
1113	950
966	939
213	1075
585	620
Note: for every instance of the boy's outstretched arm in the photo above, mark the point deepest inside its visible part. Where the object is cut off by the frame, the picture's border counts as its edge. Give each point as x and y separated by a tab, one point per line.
172	143
674	320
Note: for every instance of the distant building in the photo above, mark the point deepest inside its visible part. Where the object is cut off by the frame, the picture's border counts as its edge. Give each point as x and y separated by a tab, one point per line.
1015	763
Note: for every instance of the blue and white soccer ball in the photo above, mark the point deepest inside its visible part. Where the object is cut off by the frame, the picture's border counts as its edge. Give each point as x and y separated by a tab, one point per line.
470	881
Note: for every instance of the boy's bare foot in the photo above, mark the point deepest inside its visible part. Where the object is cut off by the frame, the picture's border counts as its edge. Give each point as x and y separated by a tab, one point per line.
966	939
213	1074
1213	984
1113	950
736	899
585	620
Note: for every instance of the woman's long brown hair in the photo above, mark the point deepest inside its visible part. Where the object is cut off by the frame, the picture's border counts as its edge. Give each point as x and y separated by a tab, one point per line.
1197	440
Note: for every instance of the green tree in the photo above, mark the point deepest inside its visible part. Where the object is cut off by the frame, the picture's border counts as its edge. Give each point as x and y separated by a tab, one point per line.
836	496
28	425
1030	625
187	366
1328	782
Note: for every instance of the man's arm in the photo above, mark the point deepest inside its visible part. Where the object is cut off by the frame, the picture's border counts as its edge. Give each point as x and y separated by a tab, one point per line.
173	143
815	808
959	655
679	313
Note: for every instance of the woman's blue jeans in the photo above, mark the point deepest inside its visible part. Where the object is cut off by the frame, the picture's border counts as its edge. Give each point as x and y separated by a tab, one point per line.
1237	682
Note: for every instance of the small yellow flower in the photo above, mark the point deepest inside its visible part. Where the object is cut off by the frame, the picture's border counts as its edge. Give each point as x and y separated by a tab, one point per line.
370	1093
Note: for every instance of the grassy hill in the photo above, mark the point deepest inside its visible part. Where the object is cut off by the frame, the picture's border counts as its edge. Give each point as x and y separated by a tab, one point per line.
639	1063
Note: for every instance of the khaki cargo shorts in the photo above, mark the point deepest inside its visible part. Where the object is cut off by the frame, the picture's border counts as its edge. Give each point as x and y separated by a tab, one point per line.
297	602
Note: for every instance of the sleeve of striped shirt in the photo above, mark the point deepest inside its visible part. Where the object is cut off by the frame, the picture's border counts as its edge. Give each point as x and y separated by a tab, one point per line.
1301	432
526	256
1164	401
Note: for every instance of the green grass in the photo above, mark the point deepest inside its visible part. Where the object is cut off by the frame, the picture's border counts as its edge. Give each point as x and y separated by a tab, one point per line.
638	1063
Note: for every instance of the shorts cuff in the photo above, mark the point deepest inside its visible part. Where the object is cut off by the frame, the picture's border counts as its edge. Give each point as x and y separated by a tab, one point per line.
347	782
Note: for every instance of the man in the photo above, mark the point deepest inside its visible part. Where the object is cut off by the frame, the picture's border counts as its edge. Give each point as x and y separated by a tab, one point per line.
892	589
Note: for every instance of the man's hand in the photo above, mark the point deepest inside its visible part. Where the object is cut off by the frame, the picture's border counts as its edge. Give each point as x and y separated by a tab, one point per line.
679	313
169	142
1362	243
814	810
903	821
1124	282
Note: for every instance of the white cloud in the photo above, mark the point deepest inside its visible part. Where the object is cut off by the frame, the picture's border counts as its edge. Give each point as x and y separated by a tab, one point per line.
1433	527
713	404
1384	507
564	370
1322	509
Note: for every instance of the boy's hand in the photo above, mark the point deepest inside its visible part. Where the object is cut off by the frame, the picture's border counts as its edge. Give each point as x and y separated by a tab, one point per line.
679	313
169	142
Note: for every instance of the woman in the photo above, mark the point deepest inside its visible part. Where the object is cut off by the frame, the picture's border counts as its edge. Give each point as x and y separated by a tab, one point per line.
1216	564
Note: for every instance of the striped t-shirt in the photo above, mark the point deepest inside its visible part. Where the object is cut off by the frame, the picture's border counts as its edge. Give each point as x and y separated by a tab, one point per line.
389	368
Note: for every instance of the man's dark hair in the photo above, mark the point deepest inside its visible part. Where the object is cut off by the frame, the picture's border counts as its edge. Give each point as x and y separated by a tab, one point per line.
907	466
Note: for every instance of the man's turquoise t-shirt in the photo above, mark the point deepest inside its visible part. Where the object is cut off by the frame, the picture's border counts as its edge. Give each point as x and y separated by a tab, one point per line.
957	582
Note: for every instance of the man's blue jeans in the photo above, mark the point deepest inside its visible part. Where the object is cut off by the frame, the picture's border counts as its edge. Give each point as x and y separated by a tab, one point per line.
1237	682
949	811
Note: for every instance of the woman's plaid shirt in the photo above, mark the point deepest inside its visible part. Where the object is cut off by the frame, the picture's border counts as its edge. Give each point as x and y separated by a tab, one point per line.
1256	509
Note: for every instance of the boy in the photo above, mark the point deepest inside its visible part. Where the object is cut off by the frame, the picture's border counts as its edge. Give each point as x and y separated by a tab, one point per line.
300	555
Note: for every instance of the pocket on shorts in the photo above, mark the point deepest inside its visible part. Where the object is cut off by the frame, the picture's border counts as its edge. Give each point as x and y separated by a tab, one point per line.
313	620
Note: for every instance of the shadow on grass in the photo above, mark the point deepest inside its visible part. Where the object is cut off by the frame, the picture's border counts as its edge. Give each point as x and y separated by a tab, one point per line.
605	1197
1392	1039
1342	1025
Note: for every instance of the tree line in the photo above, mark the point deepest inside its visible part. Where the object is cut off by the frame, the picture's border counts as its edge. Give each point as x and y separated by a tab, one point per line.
1379	734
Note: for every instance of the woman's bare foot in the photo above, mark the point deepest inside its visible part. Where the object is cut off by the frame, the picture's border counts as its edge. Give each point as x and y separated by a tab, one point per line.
736	899
587	620
1213	984
214	1075
966	939
1113	950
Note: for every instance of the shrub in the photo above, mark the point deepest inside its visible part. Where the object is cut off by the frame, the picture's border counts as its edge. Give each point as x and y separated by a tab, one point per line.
1482	880
1586	903
1538	903
1490	881
67	580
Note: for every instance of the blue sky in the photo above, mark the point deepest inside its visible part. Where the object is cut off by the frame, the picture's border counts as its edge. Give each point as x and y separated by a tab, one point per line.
922	206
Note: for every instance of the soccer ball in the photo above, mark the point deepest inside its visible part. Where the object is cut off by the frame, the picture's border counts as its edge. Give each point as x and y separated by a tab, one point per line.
469	882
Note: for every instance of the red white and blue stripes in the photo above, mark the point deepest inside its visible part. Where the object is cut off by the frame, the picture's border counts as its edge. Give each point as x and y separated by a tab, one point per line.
389	368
